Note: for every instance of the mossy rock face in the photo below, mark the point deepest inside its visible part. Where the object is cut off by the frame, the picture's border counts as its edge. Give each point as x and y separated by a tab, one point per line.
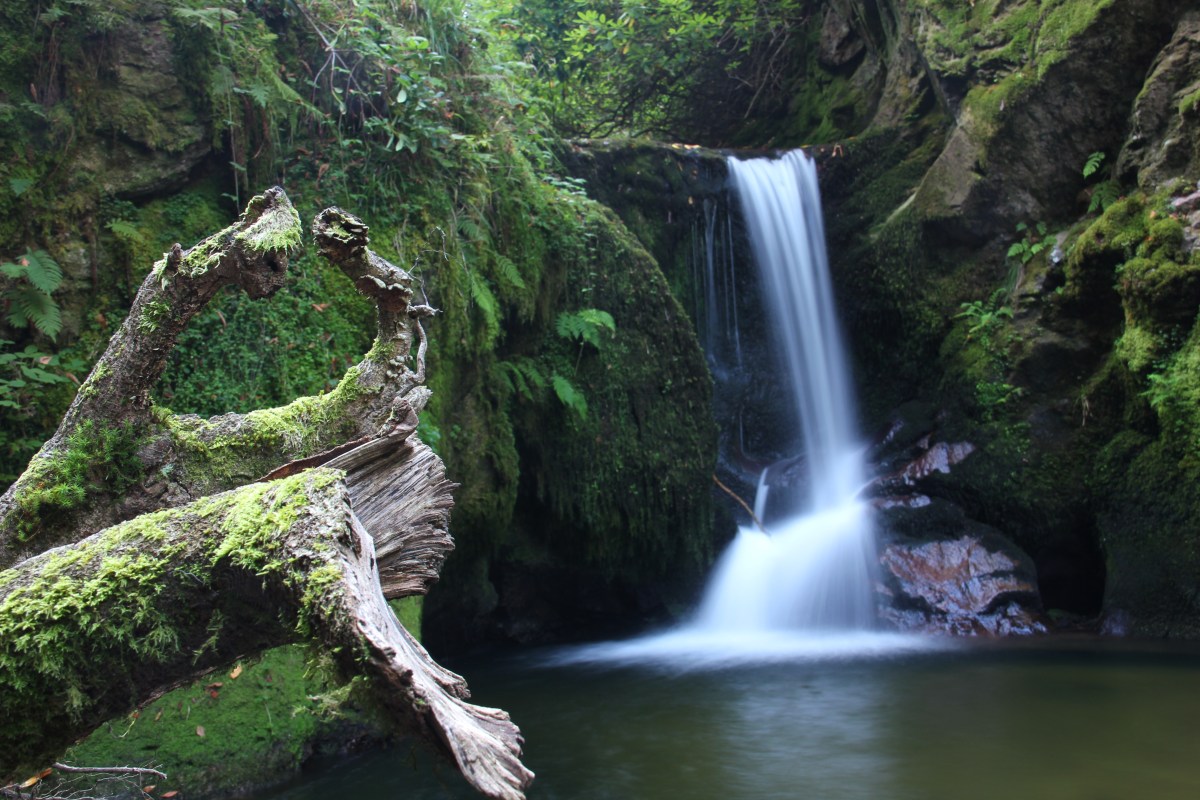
151	132
1149	533
613	513
1163	144
1021	137
1160	293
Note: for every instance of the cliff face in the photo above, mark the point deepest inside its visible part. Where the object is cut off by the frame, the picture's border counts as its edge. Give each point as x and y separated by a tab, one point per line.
1018	248
127	129
1012	223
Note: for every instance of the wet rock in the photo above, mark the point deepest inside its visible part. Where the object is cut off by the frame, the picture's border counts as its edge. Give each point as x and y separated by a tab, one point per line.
151	134
839	44
944	573
1164	139
939	457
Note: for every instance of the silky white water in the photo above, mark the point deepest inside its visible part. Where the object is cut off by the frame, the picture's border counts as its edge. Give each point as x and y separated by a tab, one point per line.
812	572
804	587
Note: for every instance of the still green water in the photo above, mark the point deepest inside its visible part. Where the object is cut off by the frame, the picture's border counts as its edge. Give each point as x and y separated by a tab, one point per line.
1068	720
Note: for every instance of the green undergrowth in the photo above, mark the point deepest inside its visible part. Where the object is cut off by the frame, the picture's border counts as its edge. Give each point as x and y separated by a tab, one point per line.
424	137
628	480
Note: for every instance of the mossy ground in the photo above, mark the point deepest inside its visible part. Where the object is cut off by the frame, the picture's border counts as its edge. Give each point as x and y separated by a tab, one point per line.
224	733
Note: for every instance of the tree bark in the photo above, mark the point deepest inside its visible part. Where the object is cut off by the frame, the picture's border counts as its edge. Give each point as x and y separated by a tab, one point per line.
237	533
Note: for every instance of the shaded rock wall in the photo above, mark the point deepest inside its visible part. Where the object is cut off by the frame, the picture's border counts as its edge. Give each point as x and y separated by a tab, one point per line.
980	282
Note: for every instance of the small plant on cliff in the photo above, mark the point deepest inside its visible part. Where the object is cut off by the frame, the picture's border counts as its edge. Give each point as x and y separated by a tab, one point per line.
1032	242
987	322
586	326
1105	192
523	376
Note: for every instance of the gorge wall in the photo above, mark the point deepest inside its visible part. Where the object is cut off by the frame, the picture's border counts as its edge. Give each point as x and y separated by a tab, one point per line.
1011	208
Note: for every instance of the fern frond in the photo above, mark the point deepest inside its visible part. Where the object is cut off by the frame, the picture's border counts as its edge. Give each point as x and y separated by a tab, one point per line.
569	396
585	325
486	302
510	272
1092	165
568	326
472	230
531	373
126	230
28	305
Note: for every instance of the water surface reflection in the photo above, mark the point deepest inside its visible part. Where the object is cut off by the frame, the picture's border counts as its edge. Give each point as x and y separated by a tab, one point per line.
1086	721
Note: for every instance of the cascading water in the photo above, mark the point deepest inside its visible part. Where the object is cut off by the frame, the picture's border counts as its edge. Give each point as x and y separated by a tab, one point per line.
805	589
813	571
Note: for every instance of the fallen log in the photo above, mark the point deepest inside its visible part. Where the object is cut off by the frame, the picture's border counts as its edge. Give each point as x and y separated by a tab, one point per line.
237	533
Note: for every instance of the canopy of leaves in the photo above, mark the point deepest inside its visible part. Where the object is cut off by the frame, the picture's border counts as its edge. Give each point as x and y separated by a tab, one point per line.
672	68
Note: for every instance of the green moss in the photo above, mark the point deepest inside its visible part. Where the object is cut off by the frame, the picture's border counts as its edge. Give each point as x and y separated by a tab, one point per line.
628	482
153	314
1107	243
272	232
213	455
1188	103
1138	349
260	724
1146	520
408	612
96	461
1061	24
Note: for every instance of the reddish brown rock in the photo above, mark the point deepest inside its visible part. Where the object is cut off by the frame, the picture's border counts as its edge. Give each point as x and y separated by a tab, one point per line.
975	584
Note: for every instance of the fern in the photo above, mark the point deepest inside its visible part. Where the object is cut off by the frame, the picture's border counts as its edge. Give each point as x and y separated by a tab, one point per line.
522	376
126	231
1093	164
570	397
585	325
35	275
509	271
1104	195
486	302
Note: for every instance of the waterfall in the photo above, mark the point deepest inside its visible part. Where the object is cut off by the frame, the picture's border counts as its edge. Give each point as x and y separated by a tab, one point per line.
811	572
803	589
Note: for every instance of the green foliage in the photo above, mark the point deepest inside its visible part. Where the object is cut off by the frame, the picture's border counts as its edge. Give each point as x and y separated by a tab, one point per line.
984	319
24	371
1033	242
240	354
570	396
521	376
33	387
601	67
990	336
524	377
36	276
585	326
1104	192
1092	165
98	461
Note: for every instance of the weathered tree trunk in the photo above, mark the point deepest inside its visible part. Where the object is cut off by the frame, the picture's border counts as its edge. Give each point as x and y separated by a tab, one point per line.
237	533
